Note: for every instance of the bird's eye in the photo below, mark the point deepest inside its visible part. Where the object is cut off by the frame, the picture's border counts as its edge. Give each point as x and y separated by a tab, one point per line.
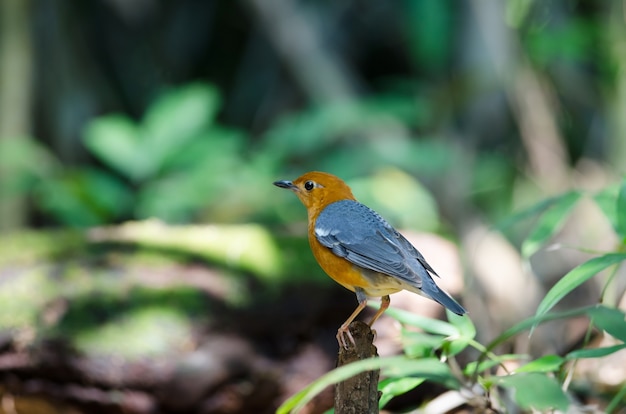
309	185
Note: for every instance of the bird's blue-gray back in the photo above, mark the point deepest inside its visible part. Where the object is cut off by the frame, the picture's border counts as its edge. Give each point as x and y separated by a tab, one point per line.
359	234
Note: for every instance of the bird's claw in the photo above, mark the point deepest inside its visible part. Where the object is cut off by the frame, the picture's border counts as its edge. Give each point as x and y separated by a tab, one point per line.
342	333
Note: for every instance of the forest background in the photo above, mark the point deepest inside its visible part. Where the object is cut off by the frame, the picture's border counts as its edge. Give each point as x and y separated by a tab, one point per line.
139	140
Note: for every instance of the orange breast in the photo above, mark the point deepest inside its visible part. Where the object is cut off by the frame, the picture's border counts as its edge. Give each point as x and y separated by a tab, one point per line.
339	269
351	276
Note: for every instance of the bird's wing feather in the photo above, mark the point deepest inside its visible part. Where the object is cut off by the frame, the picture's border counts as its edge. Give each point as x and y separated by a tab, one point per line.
355	232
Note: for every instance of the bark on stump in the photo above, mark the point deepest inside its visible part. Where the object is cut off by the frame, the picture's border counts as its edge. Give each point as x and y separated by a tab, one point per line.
359	394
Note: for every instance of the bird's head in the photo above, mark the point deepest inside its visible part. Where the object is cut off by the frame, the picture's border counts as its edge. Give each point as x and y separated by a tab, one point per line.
317	189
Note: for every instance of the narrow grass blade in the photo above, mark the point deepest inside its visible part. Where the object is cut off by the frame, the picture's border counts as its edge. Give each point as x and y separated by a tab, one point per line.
550	223
595	352
575	278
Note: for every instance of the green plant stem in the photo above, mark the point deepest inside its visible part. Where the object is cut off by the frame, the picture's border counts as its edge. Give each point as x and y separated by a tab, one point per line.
609	289
456	369
616	401
570	374
485	352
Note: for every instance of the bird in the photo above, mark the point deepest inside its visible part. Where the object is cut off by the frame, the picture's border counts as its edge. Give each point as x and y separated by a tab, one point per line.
360	250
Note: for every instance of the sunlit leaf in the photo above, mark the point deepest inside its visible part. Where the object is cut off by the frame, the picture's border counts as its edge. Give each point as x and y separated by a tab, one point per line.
176	118
549	223
575	278
170	124
516	12
115	140
536	391
139	333
434	326
546	363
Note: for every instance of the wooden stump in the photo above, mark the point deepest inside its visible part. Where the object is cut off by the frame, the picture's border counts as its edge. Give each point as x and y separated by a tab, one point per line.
359	394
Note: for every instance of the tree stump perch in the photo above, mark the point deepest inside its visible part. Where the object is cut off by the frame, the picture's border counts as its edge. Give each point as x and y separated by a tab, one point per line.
359	394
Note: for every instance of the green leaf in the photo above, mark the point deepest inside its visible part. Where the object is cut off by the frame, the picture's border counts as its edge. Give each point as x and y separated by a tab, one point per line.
220	148
533	321
429	39
528	212
420	344
434	326
176	118
398	366
392	387
575	278
431	369
546	363
115	140
621	210
308	132
595	352
466	333
517	12
549	223
611	320
606	201
171	123
84	197
536	391
479	366
23	162
463	323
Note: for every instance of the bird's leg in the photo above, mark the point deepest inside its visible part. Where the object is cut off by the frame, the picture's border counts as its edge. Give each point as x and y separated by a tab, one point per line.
344	329
384	304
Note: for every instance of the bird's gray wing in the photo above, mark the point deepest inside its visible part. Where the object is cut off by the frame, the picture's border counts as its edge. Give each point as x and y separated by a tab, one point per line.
360	235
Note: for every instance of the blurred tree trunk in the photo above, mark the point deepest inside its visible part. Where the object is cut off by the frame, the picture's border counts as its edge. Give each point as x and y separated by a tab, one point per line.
320	73
15	94
530	98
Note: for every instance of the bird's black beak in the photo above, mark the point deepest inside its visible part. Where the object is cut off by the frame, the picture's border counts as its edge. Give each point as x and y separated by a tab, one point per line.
285	184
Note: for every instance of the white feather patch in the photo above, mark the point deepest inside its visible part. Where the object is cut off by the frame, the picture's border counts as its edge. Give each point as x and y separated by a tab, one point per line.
321	232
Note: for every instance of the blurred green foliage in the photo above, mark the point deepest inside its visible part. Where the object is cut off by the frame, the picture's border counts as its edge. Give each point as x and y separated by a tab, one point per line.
177	164
167	166
431	137
427	102
141	323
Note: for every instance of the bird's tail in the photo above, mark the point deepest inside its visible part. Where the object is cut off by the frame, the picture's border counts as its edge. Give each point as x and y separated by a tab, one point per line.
443	298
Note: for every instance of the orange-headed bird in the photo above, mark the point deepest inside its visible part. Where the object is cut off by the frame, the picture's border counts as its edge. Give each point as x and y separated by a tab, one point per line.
358	248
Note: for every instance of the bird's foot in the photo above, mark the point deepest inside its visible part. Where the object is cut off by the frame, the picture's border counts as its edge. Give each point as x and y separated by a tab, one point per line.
342	333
